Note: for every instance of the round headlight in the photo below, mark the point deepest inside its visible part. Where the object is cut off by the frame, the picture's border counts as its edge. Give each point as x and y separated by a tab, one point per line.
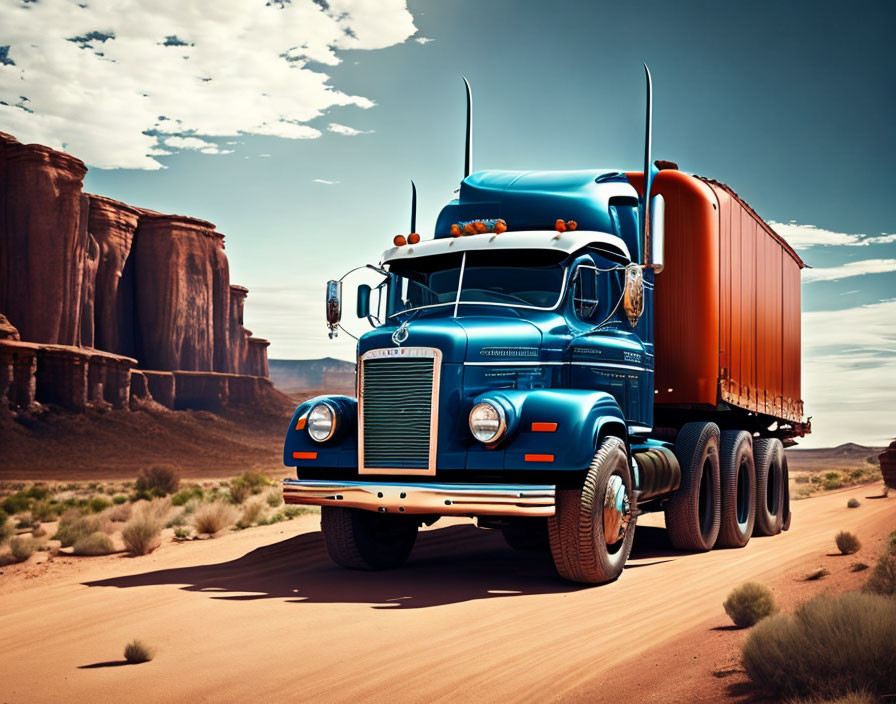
487	422
321	422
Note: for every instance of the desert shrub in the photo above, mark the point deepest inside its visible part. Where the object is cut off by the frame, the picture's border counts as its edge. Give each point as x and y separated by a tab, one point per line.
137	651
252	513
291	512
183	497
24	520
801	479
182	532
119	499
831	646
883	577
142	534
851	698
38	491
817	573
98	504
94	544
119	513
158	480
38	531
6	529
847	543
214	517
73	526
16	503
853	503
246	484
274	498
44	511
21	548
749	603
832	480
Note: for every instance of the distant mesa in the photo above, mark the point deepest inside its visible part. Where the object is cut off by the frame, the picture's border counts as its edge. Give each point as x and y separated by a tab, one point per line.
300	375
106	304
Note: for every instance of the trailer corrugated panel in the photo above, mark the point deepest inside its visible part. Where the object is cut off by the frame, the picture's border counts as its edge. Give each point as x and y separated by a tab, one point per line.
727	304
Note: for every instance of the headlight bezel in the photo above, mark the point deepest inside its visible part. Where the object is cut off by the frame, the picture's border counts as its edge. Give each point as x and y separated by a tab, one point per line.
334	421
501	418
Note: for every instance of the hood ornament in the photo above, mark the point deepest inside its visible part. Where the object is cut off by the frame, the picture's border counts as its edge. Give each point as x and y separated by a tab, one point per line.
401	334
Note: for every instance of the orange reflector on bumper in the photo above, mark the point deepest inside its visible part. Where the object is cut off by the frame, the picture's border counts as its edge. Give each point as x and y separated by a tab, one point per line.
304	455
300	424
544	427
539	458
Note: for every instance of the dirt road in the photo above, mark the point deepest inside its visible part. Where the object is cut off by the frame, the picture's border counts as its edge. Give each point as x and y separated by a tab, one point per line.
262	615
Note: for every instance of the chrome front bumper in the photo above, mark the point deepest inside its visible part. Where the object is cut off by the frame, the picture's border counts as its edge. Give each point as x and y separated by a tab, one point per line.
441	499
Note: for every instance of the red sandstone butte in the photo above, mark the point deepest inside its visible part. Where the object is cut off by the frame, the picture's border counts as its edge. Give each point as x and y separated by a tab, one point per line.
113	224
43	241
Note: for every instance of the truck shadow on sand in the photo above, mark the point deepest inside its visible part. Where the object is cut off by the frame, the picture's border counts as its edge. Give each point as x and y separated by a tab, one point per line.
448	566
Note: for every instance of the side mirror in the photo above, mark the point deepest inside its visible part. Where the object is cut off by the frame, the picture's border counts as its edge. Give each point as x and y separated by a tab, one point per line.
657	223
334	306
364	301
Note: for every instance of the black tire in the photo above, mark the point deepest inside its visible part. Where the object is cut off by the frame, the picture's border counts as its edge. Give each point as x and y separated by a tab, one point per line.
738	475
576	530
693	513
768	453
363	540
527	534
785	509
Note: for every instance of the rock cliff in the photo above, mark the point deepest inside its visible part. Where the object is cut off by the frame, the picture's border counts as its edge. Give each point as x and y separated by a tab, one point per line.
105	302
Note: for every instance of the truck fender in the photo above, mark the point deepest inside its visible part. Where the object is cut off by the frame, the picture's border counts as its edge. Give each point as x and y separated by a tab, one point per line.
565	425
329	453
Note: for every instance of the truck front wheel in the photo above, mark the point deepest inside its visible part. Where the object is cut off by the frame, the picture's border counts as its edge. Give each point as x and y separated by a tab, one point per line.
593	527
693	513
363	540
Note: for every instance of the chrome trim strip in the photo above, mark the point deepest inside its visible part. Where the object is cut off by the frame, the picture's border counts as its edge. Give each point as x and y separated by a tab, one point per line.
440	499
611	365
413	352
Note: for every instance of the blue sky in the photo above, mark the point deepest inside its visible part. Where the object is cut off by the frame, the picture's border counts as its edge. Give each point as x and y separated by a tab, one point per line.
296	128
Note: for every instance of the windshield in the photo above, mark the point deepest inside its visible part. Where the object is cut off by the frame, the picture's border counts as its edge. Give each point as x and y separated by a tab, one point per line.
516	278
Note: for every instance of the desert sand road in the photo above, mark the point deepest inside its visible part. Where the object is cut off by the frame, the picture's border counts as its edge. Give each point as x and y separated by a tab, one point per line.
262	615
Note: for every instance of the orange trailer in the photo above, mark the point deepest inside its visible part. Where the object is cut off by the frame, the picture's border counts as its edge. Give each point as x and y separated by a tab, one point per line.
727	305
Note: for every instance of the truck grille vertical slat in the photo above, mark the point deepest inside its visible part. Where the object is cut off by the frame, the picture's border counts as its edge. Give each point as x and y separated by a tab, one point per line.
397	397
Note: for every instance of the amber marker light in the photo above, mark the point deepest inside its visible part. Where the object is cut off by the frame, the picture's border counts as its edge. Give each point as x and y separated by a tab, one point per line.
544	427
413	238
304	455
539	458
400	241
300	424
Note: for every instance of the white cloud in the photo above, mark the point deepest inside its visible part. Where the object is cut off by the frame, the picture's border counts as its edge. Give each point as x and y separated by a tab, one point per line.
347	131
849	374
112	80
805	236
324	181
423	40
834	273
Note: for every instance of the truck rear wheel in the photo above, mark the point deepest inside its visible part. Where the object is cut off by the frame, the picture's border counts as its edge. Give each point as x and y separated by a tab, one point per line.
527	534
785	480
738	475
768	454
363	540
593	527
693	513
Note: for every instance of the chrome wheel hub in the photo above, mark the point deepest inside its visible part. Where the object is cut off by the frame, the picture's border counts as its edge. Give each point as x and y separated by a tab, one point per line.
617	510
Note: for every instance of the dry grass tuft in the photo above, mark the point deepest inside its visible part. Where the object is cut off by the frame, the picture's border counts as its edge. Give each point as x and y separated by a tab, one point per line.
252	513
832	646
817	573
94	544
214	517
21	548
73	526
6	529
137	651
119	513
142	534
847	543
883	578
749	603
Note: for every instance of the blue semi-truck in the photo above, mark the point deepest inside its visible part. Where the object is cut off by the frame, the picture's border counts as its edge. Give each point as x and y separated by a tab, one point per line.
570	350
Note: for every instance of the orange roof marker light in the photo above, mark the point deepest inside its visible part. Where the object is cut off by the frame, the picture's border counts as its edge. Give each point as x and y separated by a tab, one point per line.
413	238
304	455
539	458
479	227
400	240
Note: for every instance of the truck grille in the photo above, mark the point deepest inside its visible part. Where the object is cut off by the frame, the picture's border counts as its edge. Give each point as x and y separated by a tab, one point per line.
398	425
